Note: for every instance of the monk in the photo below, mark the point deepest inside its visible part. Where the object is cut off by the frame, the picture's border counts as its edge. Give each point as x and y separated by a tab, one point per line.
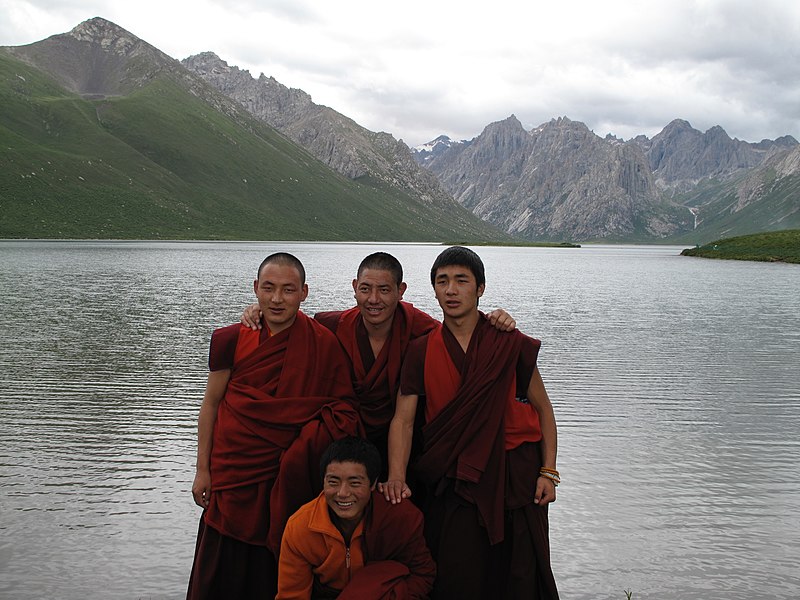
375	335
274	400
349	543
488	454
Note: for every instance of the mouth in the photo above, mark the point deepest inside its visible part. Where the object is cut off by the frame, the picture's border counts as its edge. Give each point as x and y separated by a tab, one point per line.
344	505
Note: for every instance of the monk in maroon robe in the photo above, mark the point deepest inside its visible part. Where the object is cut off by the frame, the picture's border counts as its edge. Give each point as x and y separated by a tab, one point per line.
489	445
275	399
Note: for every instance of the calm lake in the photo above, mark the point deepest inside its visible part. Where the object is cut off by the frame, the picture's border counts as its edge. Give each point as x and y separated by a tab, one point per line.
675	384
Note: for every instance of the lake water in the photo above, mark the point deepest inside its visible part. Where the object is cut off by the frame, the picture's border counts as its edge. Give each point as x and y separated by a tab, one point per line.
674	380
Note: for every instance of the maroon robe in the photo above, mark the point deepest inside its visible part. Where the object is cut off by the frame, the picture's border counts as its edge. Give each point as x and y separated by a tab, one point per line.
285	402
377	379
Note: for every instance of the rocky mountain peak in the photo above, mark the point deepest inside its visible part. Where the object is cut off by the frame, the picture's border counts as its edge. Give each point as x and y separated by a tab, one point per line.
97	58
98	29
112	38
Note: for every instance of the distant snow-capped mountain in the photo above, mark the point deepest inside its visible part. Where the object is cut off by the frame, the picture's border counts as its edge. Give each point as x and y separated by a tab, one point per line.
434	148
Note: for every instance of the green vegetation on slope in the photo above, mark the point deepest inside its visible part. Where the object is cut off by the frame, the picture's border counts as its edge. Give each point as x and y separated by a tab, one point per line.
776	210
164	163
776	246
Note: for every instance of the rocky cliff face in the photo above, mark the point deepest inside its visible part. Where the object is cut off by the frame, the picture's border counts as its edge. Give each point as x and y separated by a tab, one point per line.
559	181
336	140
782	168
680	156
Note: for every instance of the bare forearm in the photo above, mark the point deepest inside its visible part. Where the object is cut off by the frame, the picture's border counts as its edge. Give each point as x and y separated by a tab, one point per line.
205	433
215	390
400	435
549	445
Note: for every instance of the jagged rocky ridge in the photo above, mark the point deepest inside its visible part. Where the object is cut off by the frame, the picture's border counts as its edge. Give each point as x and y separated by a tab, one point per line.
557	181
561	180
680	156
336	140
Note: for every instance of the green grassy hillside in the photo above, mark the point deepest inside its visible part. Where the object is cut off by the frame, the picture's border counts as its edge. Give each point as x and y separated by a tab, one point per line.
777	246
164	163
776	210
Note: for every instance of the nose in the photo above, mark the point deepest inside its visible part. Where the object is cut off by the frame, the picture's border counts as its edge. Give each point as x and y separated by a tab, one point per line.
343	491
277	296
451	288
374	296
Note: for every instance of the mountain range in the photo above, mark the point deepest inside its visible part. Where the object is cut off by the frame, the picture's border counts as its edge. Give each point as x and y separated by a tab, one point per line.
560	179
103	135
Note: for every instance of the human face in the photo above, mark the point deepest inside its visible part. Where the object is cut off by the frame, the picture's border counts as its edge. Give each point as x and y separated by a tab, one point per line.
457	291
377	295
347	491
279	294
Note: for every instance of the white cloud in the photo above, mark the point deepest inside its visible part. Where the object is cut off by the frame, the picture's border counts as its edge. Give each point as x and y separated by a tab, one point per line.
418	69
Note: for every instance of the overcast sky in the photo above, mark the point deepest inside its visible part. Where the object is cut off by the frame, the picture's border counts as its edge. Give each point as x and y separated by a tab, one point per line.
419	69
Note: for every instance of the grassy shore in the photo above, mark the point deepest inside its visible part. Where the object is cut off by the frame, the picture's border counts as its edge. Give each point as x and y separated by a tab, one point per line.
775	246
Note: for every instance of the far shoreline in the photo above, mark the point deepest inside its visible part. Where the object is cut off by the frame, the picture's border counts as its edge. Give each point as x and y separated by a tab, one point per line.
776	246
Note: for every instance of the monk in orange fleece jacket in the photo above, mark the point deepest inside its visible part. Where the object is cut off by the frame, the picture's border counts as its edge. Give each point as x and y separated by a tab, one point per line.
349	543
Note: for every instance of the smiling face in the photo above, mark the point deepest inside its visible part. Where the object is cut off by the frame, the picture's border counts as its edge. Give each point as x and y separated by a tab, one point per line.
456	291
280	291
377	294
347	491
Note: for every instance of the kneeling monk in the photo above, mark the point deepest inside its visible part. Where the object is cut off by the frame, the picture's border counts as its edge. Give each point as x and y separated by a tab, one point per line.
351	544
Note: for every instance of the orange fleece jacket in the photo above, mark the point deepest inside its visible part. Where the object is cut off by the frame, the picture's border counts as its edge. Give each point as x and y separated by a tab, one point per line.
313	549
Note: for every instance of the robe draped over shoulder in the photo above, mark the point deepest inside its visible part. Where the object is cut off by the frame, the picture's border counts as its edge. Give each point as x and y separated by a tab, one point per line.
376	382
286	401
464	441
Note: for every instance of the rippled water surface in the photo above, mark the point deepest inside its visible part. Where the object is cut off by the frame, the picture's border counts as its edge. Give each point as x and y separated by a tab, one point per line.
675	383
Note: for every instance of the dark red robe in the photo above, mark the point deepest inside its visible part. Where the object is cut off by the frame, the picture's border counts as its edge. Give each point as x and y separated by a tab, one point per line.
376	380
286	401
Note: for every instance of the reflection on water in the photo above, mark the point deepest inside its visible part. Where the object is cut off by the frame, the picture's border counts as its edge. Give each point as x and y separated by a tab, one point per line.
674	382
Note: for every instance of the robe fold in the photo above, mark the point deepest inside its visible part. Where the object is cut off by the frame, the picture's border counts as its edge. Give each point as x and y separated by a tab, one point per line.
382	580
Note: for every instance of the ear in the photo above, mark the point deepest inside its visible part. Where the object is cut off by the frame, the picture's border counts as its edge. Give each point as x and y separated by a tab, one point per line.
304	292
355	285
481	287
255	286
402	288
373	486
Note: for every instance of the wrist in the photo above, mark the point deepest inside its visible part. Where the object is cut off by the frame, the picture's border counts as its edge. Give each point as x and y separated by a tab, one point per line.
551	474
